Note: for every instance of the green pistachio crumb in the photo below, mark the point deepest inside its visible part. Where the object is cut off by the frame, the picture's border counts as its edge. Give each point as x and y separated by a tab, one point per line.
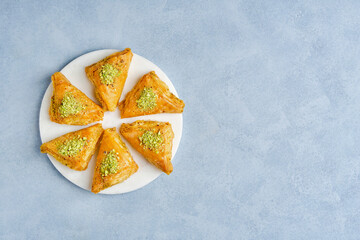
69	105
151	140
147	99
72	147
109	164
108	74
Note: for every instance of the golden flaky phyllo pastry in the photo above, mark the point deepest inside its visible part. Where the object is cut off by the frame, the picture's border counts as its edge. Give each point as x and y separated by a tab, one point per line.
150	96
71	106
153	140
74	149
109	76
114	163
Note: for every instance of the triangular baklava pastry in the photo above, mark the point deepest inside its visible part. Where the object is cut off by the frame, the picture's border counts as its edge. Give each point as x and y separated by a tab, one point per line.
74	149
114	163
153	140
71	106
109	76
150	96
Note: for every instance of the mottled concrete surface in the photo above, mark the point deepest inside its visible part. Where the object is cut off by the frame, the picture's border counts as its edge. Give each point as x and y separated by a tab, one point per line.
271	124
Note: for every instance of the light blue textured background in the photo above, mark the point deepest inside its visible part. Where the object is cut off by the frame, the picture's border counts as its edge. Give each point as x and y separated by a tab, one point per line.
270	147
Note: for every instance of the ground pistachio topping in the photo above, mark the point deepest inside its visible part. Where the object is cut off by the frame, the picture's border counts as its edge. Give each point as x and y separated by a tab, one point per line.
151	140
147	99
69	105
108	73
72	147
109	164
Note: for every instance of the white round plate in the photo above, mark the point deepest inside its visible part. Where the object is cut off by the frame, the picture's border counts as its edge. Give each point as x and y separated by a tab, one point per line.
75	72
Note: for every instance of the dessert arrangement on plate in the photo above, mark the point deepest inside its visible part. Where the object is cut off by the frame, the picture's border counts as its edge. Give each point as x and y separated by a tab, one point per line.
114	162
